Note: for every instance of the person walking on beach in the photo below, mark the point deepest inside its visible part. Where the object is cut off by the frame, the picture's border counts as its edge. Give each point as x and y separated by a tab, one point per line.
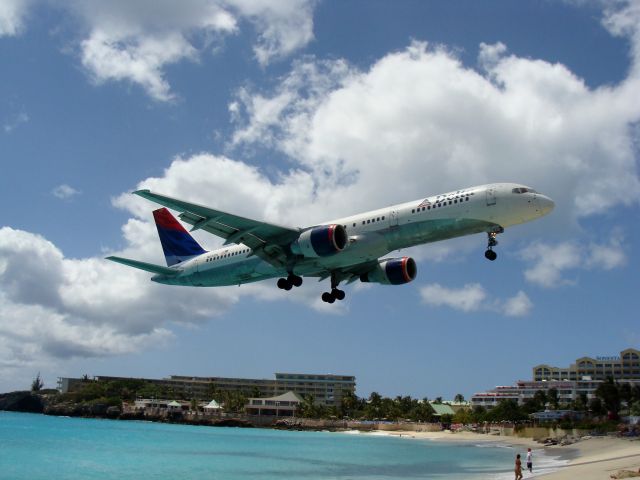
529	461
518	469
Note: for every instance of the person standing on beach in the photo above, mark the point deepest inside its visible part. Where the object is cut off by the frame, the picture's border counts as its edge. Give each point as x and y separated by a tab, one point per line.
529	460
518	469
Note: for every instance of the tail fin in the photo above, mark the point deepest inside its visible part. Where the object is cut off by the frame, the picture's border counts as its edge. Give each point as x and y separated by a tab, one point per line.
177	244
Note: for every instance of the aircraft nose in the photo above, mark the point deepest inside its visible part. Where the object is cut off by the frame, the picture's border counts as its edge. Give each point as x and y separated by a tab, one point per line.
545	204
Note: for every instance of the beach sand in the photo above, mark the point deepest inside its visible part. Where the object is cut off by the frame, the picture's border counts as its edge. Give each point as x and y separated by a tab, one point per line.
595	458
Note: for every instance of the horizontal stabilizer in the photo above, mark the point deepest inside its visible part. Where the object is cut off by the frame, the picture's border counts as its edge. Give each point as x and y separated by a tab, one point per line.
148	267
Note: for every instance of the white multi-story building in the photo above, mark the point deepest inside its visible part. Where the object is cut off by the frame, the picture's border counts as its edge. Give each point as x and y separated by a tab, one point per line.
525	390
582	377
327	390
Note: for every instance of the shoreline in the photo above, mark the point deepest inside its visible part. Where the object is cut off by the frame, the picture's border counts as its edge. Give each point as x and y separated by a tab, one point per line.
590	458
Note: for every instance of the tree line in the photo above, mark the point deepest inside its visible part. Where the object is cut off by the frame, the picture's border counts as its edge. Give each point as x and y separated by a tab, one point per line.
611	400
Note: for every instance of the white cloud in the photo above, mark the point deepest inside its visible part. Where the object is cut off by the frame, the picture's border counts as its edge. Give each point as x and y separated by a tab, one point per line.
416	122
517	306
137	41
283	27
64	192
472	298
12	15
139	59
551	262
608	256
56	307
420	111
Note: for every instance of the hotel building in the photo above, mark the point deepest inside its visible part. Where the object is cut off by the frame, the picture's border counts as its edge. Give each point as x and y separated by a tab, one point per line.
623	367
582	377
327	390
526	390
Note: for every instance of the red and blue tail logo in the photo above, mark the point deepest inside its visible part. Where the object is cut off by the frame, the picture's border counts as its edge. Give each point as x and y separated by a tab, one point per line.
177	244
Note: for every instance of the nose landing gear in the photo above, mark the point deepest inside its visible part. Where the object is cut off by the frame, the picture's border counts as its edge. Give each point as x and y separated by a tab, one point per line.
489	254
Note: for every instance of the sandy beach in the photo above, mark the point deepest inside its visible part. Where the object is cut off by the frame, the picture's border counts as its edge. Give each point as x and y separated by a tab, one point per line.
595	458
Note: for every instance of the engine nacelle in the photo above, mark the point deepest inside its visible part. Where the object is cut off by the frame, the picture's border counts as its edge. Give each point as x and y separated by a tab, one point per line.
392	271
321	241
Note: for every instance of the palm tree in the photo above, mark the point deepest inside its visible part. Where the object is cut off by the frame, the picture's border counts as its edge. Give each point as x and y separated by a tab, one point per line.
459	398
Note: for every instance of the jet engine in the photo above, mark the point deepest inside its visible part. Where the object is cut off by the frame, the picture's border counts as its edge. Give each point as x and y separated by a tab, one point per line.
321	241
392	271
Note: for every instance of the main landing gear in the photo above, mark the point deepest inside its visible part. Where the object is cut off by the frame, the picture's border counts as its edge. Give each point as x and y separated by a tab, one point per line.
291	281
335	293
492	242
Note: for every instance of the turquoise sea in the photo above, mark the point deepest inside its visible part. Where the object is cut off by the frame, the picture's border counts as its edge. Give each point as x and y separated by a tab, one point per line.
42	447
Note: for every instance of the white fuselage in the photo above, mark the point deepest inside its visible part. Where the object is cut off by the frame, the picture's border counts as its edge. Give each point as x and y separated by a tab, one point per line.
486	208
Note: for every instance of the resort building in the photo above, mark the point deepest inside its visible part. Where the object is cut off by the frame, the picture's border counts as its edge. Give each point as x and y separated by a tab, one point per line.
441	409
626	366
327	390
582	377
284	405
526	390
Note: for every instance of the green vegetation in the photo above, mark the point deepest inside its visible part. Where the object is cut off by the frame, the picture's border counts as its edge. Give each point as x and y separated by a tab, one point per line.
600	412
377	407
37	384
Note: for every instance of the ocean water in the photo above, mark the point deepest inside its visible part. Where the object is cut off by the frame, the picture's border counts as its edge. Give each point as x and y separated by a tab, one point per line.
42	447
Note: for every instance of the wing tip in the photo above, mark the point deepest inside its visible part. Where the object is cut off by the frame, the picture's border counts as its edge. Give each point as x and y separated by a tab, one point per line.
141	192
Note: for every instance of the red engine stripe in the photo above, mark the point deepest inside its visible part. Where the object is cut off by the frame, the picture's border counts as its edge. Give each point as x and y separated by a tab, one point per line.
405	271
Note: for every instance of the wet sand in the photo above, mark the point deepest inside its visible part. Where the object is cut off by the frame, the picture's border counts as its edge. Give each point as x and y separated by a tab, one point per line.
595	458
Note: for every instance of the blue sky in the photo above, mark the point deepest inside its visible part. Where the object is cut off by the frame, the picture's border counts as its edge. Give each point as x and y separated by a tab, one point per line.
301	112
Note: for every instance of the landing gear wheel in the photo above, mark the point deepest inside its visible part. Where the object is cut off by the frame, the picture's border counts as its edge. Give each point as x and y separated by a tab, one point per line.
284	284
490	255
294	280
335	293
327	297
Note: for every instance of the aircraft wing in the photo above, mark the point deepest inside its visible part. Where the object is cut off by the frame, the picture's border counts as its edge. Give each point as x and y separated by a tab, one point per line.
349	273
265	239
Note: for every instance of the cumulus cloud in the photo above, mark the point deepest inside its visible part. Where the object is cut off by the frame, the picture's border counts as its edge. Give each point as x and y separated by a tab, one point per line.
518	305
283	27
415	122
53	306
138	41
472	298
64	192
420	111
12	15
550	262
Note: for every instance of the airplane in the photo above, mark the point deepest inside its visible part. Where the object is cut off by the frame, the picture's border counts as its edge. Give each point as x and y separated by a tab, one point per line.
344	250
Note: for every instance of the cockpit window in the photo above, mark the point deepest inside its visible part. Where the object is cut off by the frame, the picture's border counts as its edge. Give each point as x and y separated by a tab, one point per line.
523	190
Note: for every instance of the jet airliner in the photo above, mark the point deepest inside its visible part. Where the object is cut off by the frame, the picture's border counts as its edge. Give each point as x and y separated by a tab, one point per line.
344	250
